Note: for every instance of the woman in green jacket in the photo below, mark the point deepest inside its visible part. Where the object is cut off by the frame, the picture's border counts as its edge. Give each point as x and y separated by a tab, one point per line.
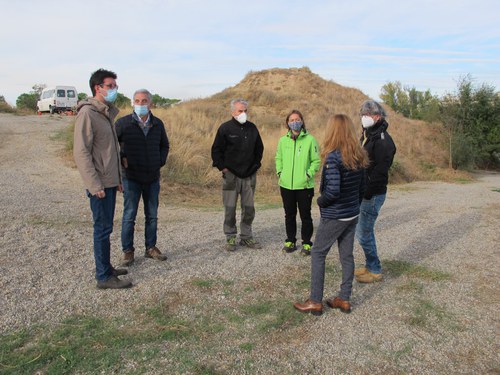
297	161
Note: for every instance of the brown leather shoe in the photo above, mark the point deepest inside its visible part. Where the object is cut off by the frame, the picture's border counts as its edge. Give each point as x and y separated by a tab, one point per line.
128	258
155	253
339	303
315	308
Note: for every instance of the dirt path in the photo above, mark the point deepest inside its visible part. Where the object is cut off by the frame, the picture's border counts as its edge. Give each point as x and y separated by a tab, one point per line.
46	263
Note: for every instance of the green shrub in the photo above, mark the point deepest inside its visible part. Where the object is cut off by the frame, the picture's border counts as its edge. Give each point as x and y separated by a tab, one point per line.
6	108
464	152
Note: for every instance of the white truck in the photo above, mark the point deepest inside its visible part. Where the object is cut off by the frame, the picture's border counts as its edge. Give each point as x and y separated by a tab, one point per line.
57	99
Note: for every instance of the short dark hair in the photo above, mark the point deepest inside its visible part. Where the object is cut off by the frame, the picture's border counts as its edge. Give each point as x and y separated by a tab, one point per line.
98	77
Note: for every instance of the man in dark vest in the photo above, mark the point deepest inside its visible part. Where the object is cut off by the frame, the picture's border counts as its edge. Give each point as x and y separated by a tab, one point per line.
144	149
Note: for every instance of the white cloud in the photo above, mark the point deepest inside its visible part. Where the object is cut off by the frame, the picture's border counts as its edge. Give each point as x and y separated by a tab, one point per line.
193	48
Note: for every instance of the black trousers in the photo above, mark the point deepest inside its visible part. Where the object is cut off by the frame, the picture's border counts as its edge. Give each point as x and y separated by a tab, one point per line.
301	199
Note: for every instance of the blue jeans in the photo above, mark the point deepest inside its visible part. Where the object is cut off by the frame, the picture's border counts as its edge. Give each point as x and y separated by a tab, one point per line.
103	213
132	192
365	232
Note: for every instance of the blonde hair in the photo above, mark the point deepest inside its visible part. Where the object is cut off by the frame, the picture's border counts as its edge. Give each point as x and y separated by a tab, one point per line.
340	134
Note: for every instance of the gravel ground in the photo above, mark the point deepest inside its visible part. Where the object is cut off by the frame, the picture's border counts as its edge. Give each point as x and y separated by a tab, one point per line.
46	265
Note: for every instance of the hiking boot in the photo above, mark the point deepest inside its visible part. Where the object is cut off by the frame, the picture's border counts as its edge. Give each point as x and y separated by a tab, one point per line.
114	283
306	250
155	253
128	258
369	277
119	271
360	271
289	247
251	243
231	244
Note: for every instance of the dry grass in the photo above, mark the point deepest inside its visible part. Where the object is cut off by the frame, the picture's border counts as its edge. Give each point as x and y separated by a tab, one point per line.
272	94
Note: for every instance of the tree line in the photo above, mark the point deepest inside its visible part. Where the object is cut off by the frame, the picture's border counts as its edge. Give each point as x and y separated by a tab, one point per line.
28	101
470	116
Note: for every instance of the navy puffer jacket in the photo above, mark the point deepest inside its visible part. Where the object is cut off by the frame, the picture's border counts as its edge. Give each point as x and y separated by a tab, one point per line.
341	189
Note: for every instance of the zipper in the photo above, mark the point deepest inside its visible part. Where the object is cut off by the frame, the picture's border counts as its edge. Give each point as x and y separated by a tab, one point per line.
293	161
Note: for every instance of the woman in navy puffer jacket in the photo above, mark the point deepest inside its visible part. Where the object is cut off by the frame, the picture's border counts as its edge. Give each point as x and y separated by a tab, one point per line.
341	189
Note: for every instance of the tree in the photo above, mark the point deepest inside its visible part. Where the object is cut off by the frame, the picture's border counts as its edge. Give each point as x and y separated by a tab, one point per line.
159	101
410	102
122	101
4	106
38	88
82	96
472	118
27	101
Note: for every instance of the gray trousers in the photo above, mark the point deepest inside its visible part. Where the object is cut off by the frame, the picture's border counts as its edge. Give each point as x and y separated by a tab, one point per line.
329	231
233	186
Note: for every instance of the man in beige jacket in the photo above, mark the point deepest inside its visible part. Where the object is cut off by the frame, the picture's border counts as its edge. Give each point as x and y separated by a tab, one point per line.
97	154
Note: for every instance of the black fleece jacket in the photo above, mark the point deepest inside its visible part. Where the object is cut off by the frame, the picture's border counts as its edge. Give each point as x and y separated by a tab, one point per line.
145	154
238	147
381	150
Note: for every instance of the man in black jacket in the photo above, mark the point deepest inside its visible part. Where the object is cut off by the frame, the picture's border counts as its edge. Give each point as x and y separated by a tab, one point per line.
381	150
144	149
237	152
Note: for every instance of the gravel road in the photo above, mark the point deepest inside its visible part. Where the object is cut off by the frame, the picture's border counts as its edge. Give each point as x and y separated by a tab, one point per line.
47	268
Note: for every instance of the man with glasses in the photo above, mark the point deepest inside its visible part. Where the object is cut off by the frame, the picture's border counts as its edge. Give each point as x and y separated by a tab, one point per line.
144	149
97	157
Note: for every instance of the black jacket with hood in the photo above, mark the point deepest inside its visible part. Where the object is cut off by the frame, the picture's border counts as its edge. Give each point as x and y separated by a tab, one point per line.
381	150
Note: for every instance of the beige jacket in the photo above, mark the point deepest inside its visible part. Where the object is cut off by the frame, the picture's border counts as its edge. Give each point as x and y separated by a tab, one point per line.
95	147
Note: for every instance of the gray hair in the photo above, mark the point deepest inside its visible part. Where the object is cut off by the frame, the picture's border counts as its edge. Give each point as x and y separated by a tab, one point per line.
143	91
371	107
234	101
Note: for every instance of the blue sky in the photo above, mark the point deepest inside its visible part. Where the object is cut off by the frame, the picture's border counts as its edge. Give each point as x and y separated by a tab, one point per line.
189	49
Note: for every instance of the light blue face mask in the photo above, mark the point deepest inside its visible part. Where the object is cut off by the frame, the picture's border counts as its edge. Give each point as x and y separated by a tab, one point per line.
295	126
111	95
141	110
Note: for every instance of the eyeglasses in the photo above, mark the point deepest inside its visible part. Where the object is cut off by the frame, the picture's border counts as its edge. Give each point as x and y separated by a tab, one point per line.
109	85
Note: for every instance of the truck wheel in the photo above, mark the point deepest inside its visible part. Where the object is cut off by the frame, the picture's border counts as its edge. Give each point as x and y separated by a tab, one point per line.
51	110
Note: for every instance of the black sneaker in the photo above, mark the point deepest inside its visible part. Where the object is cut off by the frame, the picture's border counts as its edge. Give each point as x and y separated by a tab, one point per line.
289	247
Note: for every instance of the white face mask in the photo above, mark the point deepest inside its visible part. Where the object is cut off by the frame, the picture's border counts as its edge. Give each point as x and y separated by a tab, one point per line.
367	121
241	118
